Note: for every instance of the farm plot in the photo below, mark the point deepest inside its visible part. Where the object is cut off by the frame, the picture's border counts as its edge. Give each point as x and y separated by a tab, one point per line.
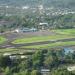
15	50
65	31
2	39
51	45
41	39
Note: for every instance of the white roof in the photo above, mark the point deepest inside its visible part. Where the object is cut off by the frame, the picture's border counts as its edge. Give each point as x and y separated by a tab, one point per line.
25	7
45	70
43	23
17	30
23	56
72	68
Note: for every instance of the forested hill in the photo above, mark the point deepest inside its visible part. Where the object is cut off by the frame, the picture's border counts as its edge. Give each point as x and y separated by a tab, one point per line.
56	3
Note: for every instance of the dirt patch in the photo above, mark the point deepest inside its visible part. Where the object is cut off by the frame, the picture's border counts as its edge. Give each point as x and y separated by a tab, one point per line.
12	36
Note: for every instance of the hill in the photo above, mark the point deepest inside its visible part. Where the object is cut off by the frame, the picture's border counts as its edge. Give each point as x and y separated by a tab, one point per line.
57	3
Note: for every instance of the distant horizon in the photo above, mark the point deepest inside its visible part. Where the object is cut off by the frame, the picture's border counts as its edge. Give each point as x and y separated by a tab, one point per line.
49	3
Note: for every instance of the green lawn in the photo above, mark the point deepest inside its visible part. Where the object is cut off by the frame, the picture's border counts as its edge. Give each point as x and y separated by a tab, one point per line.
65	31
2	39
52	45
41	38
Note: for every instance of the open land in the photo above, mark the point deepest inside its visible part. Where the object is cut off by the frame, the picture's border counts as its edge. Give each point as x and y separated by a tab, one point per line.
11	42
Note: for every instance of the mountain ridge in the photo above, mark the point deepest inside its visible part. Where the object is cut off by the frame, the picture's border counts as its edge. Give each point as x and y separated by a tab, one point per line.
56	3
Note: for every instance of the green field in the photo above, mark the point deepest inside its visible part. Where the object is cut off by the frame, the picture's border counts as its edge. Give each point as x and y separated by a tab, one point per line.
14	50
52	45
41	39
7	50
62	34
2	39
65	31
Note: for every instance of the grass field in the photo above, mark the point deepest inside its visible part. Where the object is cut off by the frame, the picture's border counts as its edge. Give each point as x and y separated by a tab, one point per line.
45	46
41	39
62	34
2	39
7	49
14	50
65	31
52	45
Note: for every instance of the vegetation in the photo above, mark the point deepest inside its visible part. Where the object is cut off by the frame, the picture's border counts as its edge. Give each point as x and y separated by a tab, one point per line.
60	71
20	60
8	50
2	39
65	31
15	50
41	39
51	45
51	59
66	21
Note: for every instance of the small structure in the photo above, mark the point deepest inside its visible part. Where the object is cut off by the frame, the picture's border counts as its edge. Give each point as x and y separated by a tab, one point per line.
25	30
45	71
12	57
71	68
17	30
23	57
43	26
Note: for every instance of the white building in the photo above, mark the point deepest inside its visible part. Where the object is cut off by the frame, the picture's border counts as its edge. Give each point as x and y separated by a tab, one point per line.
71	68
23	56
25	30
45	71
43	26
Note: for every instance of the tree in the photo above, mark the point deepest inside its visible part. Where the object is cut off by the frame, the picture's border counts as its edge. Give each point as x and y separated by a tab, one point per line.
5	61
37	59
61	72
35	72
7	71
26	72
25	64
51	59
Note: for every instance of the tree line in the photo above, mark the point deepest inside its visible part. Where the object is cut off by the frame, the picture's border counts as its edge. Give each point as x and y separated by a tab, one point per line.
54	22
54	60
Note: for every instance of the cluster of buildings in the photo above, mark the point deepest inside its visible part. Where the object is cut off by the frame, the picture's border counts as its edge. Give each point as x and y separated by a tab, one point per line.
40	8
40	26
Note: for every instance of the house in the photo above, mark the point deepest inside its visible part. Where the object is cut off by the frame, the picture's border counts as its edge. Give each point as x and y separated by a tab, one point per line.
43	26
